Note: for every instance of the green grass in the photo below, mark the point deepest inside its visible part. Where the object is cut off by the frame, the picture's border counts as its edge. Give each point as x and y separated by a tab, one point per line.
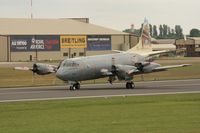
144	114
13	78
10	77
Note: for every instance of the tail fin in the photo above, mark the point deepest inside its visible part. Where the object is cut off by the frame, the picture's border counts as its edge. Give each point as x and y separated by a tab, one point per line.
144	43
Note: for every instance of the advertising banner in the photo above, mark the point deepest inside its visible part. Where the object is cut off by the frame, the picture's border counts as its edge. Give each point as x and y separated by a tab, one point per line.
19	43
98	42
33	43
73	41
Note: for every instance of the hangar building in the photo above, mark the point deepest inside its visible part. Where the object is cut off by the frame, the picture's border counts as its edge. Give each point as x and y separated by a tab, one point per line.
56	39
190	46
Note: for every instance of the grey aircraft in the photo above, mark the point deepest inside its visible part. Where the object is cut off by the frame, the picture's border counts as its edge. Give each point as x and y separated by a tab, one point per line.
122	65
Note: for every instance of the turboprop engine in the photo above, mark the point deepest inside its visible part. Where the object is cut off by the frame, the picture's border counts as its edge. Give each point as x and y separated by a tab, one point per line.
43	69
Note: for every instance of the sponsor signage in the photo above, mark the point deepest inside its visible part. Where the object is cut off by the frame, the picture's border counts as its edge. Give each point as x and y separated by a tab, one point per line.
33	43
98	42
73	41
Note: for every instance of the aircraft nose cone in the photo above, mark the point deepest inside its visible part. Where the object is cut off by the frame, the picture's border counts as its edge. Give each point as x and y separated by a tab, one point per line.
59	74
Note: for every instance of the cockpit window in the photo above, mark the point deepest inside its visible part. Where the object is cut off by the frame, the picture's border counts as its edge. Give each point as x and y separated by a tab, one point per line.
70	64
60	63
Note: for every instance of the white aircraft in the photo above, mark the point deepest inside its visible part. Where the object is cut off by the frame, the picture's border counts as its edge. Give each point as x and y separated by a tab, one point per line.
122	65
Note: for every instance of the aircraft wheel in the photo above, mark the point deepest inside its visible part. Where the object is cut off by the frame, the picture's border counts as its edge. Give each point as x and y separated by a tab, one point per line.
72	88
77	86
130	85
133	86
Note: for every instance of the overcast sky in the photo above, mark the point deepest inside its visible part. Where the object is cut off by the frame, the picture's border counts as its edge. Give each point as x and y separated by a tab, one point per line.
116	14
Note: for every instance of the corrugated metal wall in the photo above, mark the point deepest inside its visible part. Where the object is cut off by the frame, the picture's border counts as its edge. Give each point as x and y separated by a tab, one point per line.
3	49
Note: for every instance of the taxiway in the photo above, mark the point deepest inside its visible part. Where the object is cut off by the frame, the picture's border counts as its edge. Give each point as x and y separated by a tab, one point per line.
99	90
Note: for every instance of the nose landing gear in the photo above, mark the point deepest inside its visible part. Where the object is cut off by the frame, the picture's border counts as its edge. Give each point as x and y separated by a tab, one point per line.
75	86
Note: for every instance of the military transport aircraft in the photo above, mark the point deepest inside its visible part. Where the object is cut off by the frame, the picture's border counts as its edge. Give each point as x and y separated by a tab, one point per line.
122	65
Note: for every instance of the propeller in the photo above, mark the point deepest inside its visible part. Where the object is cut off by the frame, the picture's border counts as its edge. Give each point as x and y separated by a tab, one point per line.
139	66
114	69
114	72
59	65
35	68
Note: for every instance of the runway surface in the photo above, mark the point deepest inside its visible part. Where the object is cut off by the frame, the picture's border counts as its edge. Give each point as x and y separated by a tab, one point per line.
99	90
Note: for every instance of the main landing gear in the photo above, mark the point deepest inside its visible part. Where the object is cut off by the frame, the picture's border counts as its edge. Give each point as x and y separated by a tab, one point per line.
130	85
75	86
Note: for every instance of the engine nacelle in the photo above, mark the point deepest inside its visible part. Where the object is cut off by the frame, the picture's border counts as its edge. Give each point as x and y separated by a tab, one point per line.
123	72
150	67
43	69
140	66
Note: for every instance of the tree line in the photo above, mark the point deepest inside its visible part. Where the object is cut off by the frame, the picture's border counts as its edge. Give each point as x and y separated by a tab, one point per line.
194	32
165	32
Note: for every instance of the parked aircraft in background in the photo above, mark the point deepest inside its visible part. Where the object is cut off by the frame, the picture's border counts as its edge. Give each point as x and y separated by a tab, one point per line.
122	65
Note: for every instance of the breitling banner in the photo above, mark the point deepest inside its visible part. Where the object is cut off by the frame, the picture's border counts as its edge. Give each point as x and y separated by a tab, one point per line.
73	41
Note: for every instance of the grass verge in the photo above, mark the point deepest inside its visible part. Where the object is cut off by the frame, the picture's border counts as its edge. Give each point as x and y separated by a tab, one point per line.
145	114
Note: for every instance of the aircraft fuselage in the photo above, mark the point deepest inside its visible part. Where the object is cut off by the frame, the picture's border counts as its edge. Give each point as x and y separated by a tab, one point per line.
87	68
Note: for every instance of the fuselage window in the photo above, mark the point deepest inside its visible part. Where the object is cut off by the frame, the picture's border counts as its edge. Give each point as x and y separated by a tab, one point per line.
74	64
70	64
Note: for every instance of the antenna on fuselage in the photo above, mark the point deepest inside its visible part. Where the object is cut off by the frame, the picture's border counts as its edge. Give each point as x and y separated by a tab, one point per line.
31	9
113	61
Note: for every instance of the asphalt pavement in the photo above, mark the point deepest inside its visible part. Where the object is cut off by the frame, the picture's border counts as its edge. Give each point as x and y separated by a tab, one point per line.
99	90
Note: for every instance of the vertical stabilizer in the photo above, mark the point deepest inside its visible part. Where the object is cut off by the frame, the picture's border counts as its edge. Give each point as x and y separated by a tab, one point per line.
144	44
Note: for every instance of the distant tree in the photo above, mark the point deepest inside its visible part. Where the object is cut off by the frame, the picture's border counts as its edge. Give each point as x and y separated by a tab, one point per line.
137	32
151	30
161	31
194	33
164	31
173	32
168	31
155	32
179	31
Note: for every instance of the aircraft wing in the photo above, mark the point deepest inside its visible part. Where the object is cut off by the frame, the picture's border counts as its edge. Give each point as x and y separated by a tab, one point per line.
162	68
153	53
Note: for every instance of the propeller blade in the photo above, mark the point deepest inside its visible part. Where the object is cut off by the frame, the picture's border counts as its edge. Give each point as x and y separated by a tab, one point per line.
22	68
35	68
